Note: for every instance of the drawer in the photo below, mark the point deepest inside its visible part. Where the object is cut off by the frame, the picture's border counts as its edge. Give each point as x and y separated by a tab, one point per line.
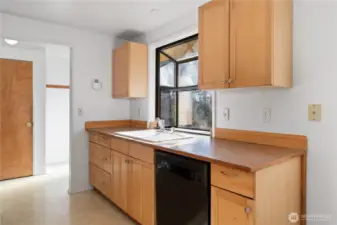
100	179
141	152
233	180
101	157
119	145
100	139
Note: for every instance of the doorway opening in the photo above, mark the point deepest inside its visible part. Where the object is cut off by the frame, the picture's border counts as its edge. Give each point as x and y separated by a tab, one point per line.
34	111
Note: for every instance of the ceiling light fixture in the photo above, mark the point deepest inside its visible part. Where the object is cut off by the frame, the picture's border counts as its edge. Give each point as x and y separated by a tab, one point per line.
11	41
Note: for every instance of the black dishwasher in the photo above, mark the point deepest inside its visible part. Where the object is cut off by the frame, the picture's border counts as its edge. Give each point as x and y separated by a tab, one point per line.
182	190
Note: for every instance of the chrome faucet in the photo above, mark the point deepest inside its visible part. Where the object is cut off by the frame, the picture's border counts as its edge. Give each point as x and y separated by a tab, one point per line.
160	124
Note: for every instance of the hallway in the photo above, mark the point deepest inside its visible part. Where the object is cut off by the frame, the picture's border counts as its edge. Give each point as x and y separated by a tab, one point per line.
44	200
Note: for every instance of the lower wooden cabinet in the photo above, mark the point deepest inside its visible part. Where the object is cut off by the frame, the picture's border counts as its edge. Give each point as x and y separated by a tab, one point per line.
134	205
127	181
230	208
141	193
119	184
100	179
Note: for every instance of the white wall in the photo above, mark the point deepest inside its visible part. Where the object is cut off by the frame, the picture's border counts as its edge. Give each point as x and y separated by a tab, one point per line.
37	56
91	59
57	104
315	69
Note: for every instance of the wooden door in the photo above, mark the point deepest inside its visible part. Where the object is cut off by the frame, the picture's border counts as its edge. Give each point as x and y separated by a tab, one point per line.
230	208
121	71
250	43
134	206
118	191
148	195
214	45
16	114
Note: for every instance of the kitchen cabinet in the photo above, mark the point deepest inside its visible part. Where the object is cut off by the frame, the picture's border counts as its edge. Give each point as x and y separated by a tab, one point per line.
140	191
125	174
214	45
229	208
130	71
119	184
245	44
134	206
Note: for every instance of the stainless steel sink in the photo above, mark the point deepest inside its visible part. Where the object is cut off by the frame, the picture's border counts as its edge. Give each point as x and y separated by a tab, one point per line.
154	135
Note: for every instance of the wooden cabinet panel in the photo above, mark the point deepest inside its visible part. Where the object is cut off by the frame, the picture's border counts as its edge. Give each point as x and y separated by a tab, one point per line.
101	157
100	179
250	39
118	188
100	139
148	195
229	208
119	145
141	192
130	71
120	72
214	45
232	179
134	197
250	43
141	152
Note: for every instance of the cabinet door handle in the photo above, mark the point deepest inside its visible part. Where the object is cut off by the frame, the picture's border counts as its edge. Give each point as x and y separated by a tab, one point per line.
230	81
247	210
225	81
228	174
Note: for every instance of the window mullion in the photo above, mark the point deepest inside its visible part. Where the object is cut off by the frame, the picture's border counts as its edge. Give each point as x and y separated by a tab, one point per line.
176	92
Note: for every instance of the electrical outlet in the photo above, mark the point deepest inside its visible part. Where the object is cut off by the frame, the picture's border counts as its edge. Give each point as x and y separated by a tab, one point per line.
226	113
314	112
80	112
266	115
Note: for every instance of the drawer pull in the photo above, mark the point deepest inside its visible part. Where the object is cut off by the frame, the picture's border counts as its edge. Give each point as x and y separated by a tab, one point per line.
103	138
229	174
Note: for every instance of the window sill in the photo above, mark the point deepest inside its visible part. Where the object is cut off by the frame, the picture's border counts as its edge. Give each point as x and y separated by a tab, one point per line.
202	132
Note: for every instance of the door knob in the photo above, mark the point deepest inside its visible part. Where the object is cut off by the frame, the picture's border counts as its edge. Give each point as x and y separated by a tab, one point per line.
29	124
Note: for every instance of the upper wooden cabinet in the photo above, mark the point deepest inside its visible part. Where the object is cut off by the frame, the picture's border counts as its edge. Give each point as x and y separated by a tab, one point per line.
214	45
245	43
130	71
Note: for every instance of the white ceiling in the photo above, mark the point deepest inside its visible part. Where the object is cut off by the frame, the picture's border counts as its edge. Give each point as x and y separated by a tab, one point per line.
108	16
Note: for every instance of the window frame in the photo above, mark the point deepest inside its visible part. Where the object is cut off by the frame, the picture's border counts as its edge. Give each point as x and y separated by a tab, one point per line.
176	88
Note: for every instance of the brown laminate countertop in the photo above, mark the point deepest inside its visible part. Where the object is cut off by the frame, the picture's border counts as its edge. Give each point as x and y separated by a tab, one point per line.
245	156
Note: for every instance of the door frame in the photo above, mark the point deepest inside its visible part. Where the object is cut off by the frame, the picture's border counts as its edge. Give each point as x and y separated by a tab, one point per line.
37	56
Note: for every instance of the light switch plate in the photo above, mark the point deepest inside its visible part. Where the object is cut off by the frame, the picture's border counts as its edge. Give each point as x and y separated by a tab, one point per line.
314	112
226	113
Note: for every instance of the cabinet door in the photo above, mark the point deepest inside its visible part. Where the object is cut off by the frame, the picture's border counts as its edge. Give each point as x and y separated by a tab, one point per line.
118	190
148	195
250	43
134	206
121	72
229	208
214	45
